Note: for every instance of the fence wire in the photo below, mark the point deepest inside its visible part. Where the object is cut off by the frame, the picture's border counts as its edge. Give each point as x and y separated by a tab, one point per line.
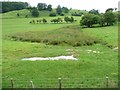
65	83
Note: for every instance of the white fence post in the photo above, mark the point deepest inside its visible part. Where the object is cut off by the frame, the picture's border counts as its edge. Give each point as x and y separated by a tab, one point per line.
31	85
107	84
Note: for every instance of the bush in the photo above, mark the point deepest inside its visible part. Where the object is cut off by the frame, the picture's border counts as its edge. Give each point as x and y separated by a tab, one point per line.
109	18
44	20
101	20
88	20
61	14
76	14
93	11
35	12
56	20
67	19
52	14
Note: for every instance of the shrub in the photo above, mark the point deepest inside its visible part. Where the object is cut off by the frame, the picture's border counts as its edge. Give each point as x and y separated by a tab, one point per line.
88	20
61	14
109	18
52	14
44	20
35	12
101	20
67	19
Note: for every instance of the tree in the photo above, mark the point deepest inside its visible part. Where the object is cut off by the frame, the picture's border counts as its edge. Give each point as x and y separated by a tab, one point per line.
52	14
35	12
10	6
71	19
101	20
44	20
110	18
62	14
109	10
59	20
59	10
49	7
42	6
93	11
18	14
96	19
66	19
65	9
88	20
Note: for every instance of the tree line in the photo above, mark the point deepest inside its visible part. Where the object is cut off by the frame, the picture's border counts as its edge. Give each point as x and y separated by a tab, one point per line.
102	19
55	20
10	6
43	6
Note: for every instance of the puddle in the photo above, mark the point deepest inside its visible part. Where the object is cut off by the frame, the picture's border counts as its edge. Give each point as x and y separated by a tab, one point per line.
51	58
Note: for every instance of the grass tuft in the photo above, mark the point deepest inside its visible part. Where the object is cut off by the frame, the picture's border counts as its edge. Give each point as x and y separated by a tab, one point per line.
70	35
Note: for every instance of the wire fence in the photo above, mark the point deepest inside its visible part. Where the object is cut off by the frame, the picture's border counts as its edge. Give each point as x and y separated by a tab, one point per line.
62	83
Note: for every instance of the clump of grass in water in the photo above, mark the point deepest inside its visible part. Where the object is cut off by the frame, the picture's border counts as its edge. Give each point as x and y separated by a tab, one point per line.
70	35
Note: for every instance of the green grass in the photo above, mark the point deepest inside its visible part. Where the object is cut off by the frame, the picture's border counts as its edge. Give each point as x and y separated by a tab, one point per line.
108	34
87	70
13	14
24	12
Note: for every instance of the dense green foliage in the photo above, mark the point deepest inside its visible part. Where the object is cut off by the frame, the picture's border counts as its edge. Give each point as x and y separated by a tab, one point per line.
42	6
110	18
49	7
109	10
89	19
35	12
59	10
93	11
69	19
57	20
52	14
10	6
65	9
102	19
76	14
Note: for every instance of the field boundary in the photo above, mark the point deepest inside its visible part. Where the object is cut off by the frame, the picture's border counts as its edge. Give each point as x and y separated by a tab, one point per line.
62	83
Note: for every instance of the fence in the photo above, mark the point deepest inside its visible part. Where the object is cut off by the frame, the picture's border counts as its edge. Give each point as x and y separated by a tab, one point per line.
62	83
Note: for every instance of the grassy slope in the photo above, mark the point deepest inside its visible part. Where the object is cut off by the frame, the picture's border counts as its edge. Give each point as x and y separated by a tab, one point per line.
108	34
13	14
24	12
89	65
70	35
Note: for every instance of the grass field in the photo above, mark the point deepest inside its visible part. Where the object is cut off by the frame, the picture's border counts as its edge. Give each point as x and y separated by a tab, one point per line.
87	70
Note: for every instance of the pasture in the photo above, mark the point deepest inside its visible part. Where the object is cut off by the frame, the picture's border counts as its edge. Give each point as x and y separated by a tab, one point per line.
87	70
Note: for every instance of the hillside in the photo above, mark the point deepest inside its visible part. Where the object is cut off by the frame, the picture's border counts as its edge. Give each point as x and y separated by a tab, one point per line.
24	12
